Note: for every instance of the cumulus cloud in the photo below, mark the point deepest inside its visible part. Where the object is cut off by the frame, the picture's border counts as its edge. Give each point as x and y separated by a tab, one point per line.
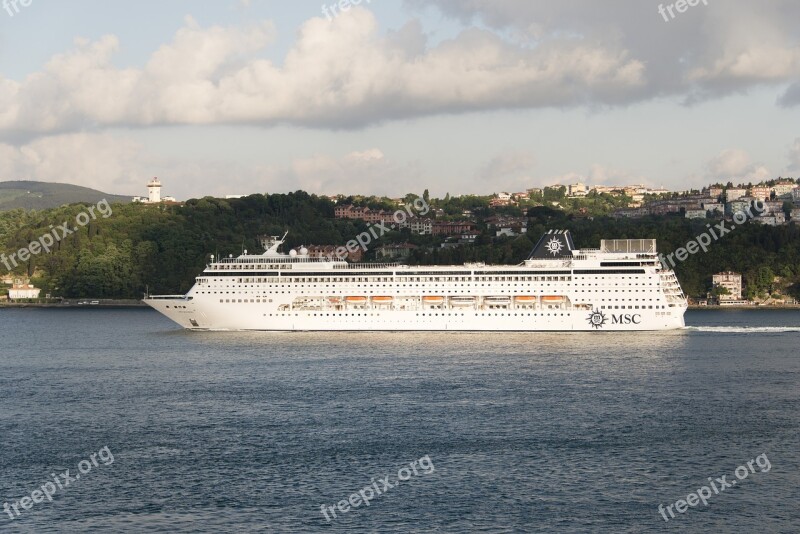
598	174
791	97
121	165
735	165
509	168
794	156
708	51
338	74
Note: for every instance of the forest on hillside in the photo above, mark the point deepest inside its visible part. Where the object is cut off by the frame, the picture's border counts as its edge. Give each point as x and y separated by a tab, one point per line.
162	248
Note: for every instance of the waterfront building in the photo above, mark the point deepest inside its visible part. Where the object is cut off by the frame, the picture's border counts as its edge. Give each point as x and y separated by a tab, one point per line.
730	281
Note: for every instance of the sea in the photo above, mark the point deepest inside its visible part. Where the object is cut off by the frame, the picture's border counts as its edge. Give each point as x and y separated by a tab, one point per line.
119	421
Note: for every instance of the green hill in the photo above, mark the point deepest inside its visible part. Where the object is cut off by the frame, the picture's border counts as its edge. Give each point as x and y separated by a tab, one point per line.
46	195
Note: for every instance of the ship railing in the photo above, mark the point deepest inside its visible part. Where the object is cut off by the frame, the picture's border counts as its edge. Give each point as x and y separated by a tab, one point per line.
367	266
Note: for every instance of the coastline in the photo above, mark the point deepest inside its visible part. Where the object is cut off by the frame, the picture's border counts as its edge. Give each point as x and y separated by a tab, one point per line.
79	304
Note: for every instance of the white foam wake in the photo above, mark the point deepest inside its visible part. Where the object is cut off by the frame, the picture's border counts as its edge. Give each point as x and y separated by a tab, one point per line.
743	329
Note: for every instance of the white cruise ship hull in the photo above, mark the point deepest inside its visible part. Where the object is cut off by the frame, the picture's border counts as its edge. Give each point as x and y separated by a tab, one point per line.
193	315
620	287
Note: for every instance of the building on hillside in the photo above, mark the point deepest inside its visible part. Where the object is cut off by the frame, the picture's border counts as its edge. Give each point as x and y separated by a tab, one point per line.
696	214
714	191
23	290
735	193
742	204
776	219
420	226
761	192
796	196
365	214
663	207
577	190
500	202
795	214
154	194
331	251
784	188
630	213
395	251
730	281
452	228
773	206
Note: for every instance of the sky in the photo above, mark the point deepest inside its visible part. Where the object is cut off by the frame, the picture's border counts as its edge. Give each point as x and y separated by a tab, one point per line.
390	97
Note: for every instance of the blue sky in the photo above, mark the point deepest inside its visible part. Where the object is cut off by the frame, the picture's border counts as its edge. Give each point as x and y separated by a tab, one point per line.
233	97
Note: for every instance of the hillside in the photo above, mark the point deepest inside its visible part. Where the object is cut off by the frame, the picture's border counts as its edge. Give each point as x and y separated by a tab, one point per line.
45	195
163	248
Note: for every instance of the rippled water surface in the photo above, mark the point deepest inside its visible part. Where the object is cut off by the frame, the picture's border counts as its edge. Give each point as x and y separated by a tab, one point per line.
237	432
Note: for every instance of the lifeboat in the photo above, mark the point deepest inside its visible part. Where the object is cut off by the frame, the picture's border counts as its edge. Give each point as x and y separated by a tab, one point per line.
525	299
432	300
458	302
382	300
552	298
356	300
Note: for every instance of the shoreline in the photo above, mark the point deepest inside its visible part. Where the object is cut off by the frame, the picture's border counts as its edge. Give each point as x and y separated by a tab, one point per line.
86	304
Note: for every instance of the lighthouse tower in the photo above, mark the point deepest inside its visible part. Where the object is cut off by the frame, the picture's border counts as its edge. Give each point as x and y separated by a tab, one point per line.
154	191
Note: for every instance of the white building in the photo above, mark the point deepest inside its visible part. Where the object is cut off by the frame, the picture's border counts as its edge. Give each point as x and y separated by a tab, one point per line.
735	194
577	190
154	194
784	188
23	291
696	214
730	281
420	226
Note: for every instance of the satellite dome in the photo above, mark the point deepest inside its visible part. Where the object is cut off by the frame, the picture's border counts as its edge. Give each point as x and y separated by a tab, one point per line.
304	251
293	253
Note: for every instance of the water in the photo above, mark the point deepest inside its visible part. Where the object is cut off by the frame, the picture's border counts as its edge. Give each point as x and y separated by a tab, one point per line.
237	432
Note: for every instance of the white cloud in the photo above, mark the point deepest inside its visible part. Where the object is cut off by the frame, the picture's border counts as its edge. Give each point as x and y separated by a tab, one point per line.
508	169
794	156
598	174
712	50
120	165
736	166
338	74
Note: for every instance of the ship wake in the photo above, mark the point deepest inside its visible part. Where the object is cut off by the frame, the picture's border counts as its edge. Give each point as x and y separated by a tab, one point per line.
744	329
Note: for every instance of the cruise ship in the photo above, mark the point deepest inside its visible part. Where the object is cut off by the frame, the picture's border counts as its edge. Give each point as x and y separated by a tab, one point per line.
622	286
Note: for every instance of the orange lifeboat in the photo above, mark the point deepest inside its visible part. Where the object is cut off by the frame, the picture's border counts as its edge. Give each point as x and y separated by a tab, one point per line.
356	300
432	300
382	300
552	298
525	299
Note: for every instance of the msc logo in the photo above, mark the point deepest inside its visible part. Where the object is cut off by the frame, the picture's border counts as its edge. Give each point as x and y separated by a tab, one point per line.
626	318
597	319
